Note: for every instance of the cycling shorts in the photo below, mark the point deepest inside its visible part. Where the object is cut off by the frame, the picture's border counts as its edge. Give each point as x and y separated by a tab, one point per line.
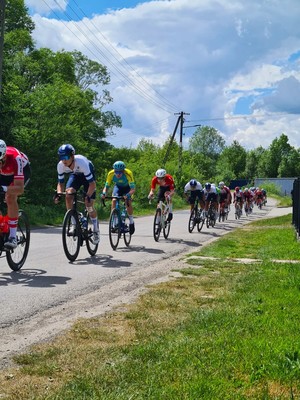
77	180
120	190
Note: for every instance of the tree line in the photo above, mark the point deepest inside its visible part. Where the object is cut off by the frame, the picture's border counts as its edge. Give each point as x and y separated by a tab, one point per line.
50	98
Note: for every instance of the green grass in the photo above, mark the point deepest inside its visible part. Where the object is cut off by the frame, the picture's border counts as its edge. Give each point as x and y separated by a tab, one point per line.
223	330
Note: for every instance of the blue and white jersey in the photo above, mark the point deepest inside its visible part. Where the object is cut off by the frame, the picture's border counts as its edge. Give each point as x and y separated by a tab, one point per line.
188	187
80	165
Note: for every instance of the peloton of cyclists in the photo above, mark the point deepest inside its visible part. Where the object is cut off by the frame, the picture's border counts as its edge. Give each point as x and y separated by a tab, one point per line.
193	190
166	188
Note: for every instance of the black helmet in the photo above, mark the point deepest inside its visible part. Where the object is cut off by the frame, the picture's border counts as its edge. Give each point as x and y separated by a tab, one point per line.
207	186
193	182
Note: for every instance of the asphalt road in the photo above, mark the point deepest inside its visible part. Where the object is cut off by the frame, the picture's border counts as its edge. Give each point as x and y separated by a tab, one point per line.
49	292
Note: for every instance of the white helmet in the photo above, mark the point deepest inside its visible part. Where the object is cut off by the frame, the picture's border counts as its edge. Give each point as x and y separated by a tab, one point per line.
160	173
2	149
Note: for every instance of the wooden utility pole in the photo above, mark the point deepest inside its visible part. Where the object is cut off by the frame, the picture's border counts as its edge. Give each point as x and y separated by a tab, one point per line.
2	17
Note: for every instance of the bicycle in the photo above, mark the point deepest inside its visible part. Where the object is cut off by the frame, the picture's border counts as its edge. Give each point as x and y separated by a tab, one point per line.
196	218
15	257
77	230
161	222
224	211
211	216
118	222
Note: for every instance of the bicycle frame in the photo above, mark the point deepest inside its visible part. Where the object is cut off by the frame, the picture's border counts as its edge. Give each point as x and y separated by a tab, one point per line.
118	222
196	217
161	222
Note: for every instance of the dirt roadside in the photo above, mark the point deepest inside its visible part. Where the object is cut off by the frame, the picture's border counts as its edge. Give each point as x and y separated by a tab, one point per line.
48	324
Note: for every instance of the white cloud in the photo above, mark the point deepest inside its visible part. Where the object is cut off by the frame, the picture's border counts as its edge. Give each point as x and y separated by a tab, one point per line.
201	56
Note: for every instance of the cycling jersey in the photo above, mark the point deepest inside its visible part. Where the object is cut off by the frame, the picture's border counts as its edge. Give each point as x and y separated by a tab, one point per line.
81	165
15	161
188	187
124	180
168	181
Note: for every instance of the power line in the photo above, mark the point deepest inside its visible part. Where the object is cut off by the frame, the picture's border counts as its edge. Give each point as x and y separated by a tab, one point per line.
158	103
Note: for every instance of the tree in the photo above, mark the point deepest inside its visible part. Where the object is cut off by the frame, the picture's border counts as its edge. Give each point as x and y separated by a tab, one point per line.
278	149
207	141
233	158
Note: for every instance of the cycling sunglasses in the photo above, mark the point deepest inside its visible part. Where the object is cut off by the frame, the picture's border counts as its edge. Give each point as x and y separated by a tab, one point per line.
119	172
64	157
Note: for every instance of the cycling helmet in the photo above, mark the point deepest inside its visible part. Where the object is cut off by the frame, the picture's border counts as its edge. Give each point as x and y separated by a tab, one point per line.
207	186
193	182
237	189
161	173
221	184
246	190
119	166
2	149
65	151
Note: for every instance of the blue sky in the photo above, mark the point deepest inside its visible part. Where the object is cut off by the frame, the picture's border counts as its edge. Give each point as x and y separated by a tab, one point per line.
233	65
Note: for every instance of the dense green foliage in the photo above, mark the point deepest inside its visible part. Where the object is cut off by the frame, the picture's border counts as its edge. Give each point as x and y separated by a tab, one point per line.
49	98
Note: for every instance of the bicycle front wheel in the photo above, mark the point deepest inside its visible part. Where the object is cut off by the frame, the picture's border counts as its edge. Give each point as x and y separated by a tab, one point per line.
166	229
201	221
114	229
71	235
191	224
17	257
157	225
90	245
126	233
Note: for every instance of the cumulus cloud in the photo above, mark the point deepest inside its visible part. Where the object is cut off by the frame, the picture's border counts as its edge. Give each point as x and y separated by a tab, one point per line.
198	56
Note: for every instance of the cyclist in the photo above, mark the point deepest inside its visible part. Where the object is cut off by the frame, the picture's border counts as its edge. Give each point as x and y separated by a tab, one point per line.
166	188
80	172
248	200
258	197
238	198
14	176
225	197
264	193
211	196
124	183
195	190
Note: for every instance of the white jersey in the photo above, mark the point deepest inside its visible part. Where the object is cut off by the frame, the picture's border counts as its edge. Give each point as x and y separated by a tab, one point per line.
80	165
212	189
188	187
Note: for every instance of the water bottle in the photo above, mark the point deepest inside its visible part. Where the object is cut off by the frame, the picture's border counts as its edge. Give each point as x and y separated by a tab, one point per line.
83	221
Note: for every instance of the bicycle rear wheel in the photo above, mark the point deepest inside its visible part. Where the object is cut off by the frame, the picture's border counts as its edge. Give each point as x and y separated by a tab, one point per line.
17	257
191	224
90	245
126	233
157	225
71	235
114	229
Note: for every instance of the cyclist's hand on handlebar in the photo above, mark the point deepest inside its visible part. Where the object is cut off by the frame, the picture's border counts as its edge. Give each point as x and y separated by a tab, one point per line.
57	197
150	196
102	196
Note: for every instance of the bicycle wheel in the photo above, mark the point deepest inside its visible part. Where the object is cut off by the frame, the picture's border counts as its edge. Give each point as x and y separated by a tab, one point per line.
114	229
192	218
71	235
90	245
126	233
208	220
166	229
201	221
157	225
17	257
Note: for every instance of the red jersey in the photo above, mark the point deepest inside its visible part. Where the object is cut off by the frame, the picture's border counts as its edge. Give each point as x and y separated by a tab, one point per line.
167	181
15	161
